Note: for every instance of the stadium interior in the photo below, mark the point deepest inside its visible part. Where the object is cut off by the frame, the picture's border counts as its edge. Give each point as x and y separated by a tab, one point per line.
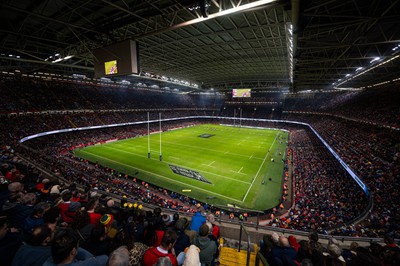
327	72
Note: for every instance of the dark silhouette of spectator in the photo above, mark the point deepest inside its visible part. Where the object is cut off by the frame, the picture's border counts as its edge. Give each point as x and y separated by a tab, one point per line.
82	226
65	250
38	249
10	241
183	240
283	254
136	250
36	218
98	243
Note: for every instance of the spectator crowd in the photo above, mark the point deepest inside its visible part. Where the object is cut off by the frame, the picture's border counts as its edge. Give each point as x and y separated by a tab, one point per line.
57	223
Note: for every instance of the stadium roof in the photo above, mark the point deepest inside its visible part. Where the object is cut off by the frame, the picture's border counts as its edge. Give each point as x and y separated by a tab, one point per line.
321	44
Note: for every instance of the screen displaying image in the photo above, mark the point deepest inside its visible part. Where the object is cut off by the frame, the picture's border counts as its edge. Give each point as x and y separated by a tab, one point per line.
111	67
241	93
117	59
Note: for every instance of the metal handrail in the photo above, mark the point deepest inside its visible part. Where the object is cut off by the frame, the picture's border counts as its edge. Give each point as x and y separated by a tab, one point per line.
243	228
260	257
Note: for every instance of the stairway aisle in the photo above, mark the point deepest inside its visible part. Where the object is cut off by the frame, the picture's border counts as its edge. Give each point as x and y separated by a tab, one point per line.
231	257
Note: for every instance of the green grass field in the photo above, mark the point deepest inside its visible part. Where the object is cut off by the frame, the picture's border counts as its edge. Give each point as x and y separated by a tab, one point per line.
227	164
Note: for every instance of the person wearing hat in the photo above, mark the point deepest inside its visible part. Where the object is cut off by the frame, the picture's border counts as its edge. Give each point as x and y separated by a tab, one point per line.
192	256
208	248
108	221
70	214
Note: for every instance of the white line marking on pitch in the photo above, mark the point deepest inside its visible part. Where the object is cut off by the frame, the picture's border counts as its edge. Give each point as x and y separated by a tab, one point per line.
188	185
259	169
239	172
211	163
251	156
214	174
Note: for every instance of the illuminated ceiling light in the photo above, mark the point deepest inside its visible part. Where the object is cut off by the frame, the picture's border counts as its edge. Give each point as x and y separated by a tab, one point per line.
225	12
359	68
68	57
348	75
57	60
369	69
375	59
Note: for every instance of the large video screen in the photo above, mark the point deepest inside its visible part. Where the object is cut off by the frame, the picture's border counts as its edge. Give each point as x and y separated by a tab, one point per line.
117	59
111	67
238	93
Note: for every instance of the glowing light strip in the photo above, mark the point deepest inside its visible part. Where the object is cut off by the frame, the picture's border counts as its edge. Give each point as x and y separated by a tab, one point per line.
289	37
225	12
369	69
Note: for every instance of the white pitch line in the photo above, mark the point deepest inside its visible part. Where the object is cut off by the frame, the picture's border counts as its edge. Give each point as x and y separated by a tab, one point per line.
259	169
188	185
251	156
238	172
214	174
211	163
208	165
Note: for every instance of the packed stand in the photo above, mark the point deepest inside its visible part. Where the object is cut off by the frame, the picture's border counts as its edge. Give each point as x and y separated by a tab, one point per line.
373	154
282	250
325	195
49	223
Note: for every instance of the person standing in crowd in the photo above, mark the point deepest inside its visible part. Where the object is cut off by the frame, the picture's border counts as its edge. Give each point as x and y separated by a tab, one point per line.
215	227
198	219
183	240
208	248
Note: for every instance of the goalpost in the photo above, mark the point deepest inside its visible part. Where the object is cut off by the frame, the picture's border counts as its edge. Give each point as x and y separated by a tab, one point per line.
148	135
